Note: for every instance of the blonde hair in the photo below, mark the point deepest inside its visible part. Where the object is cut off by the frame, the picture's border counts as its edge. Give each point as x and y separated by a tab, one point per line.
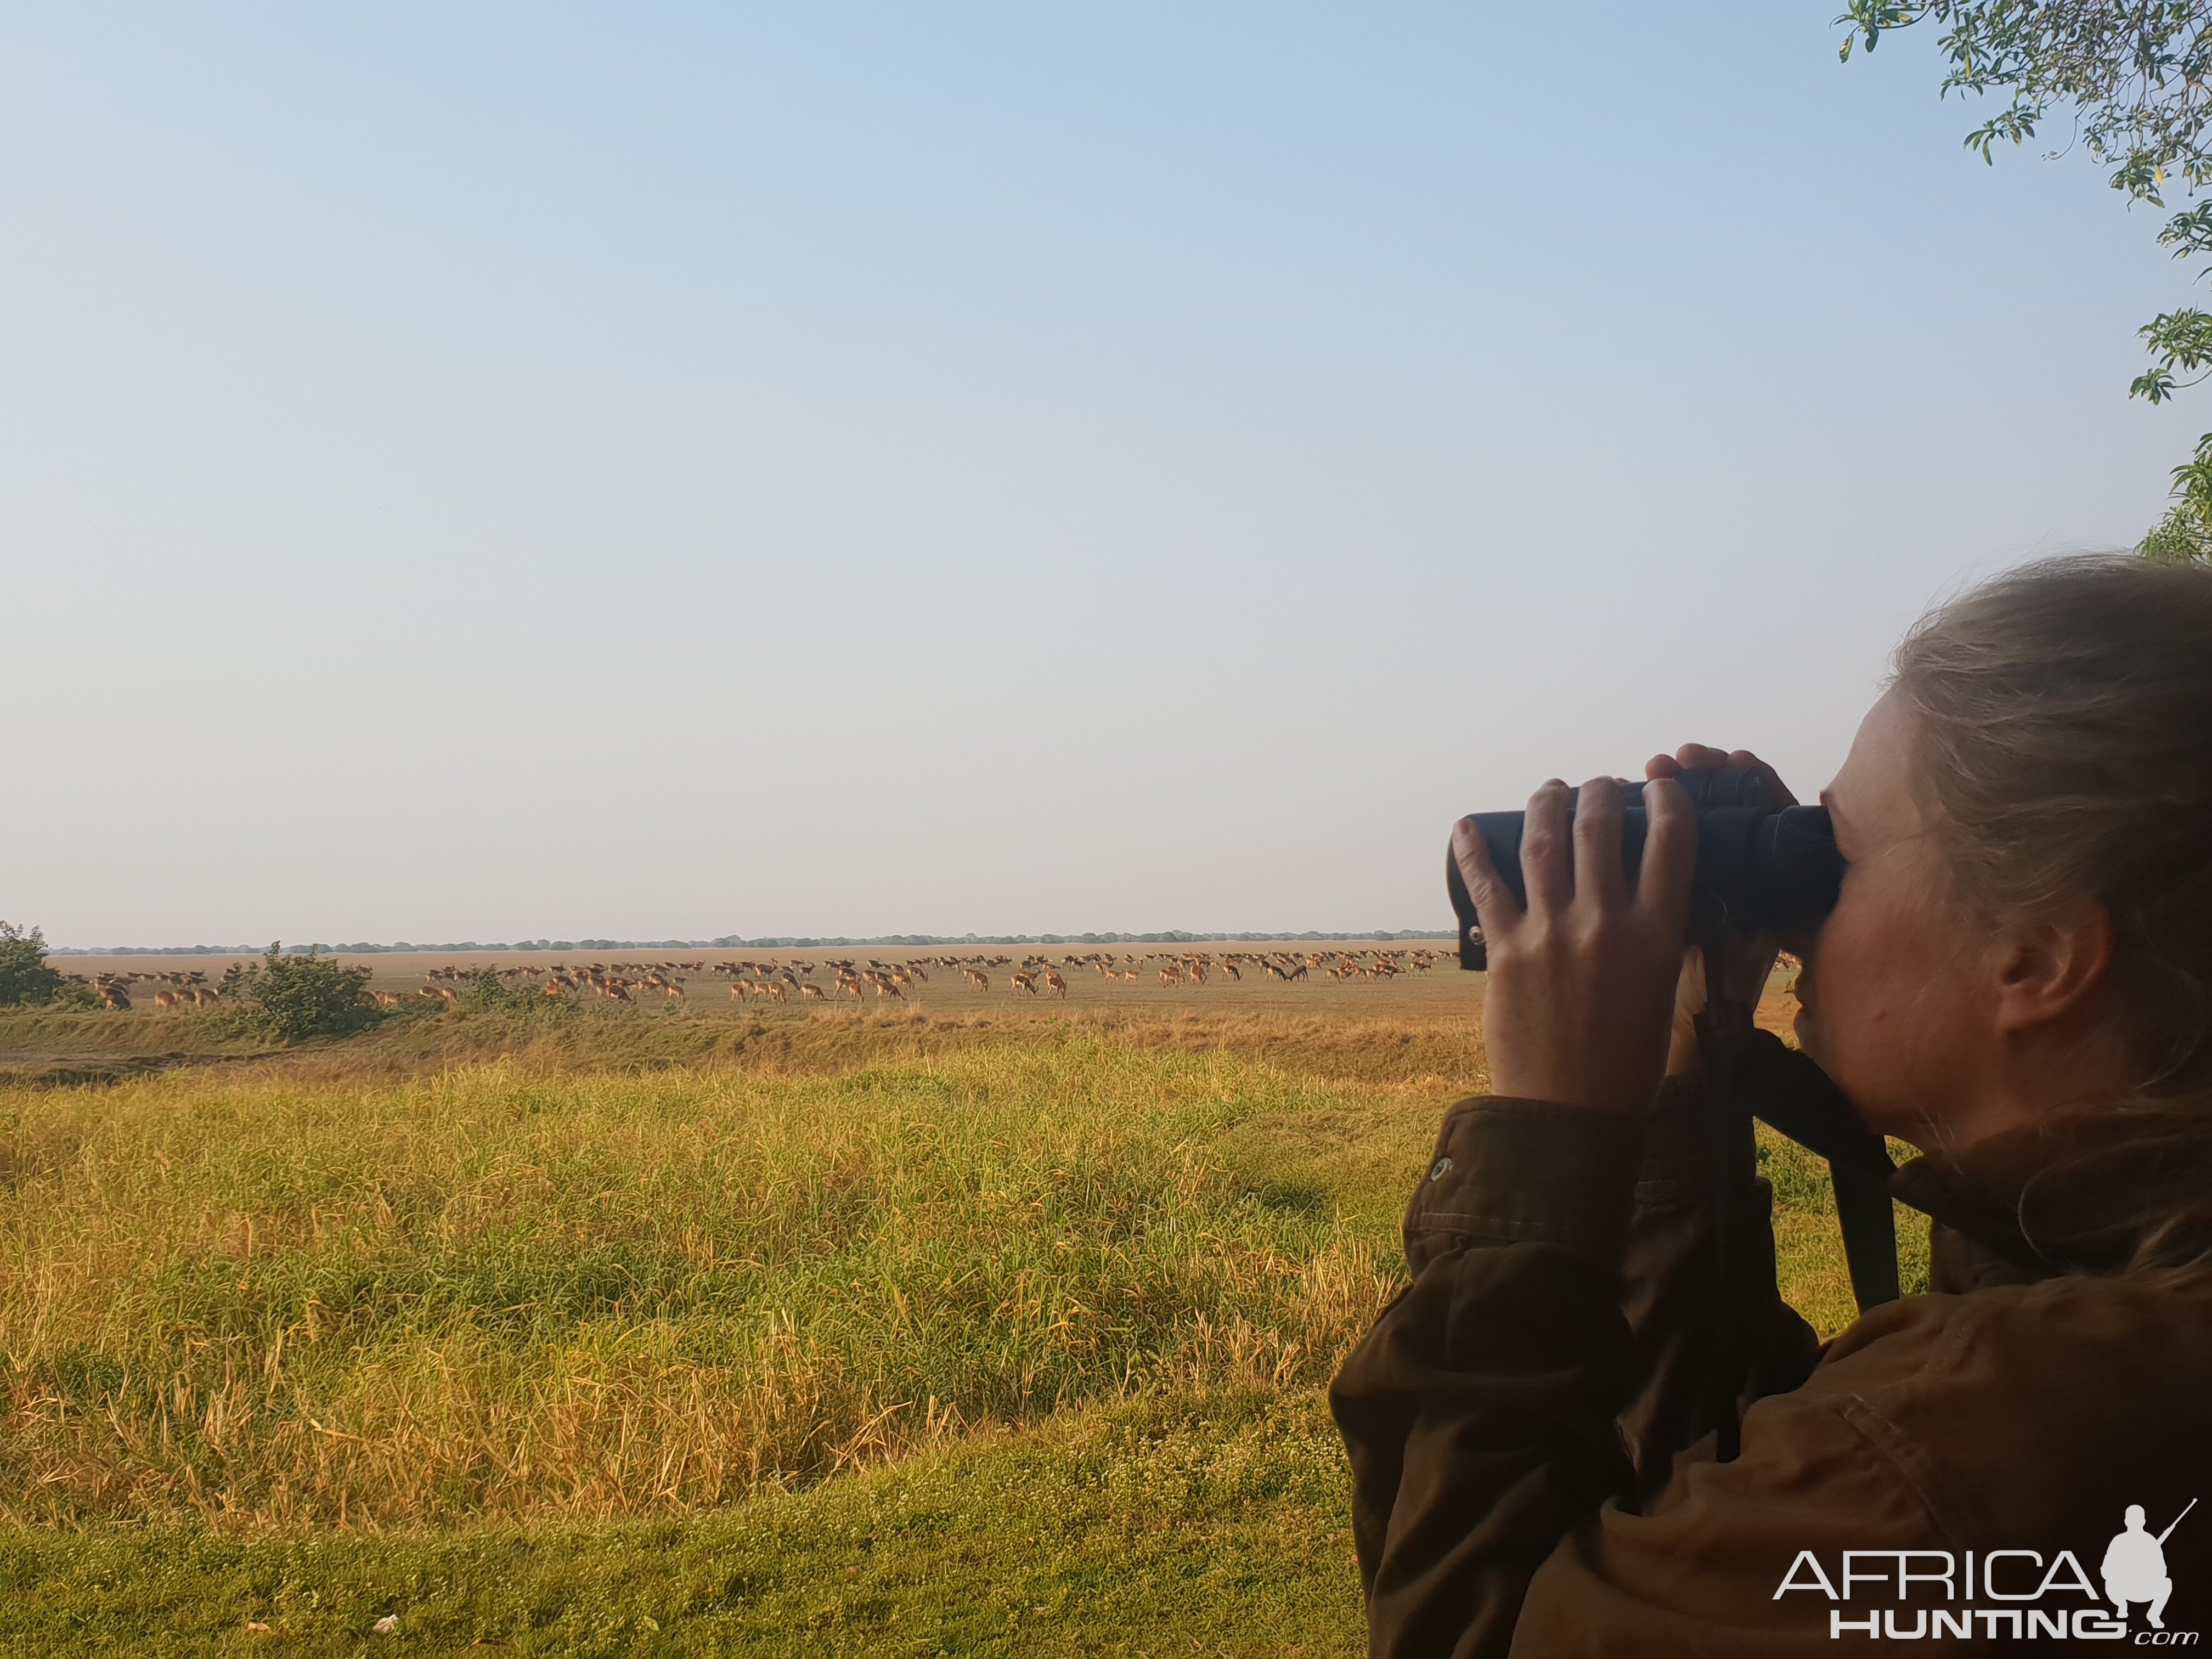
2063	717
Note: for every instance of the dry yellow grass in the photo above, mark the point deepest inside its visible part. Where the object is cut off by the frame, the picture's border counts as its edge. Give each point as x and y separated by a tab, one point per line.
271	1300
550	1329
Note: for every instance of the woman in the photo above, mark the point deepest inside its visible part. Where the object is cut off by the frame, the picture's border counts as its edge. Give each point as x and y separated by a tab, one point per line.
2017	980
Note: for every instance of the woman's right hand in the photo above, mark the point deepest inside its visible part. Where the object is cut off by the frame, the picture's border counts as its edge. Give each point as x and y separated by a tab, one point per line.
1582	985
1747	961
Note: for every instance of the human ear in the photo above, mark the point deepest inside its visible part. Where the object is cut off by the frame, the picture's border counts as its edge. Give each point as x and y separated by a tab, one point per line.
2048	972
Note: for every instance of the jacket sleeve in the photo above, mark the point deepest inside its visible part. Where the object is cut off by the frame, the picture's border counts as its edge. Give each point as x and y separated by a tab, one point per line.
1550	1354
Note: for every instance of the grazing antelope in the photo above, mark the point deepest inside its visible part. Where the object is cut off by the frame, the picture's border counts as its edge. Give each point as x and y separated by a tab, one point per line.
165	1002
1053	982
206	996
1023	981
385	999
814	991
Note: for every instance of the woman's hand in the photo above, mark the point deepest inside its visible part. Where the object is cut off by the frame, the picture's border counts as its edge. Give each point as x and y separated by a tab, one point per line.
1582	981
1748	962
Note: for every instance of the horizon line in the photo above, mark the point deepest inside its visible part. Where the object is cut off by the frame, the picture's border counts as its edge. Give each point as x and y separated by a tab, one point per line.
732	942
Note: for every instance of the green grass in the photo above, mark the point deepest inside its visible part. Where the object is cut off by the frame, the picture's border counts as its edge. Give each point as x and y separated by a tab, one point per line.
864	1335
1213	1524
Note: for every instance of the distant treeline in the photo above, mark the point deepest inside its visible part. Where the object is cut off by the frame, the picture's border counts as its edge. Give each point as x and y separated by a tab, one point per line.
732	942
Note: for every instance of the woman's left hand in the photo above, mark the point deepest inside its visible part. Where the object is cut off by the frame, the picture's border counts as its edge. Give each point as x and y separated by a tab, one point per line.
1583	979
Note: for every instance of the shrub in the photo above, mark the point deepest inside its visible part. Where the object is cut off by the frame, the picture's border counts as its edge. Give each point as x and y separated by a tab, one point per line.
24	975
485	994
296	997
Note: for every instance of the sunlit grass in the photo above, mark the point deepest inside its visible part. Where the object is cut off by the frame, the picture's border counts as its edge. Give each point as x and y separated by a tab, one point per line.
834	1334
260	1301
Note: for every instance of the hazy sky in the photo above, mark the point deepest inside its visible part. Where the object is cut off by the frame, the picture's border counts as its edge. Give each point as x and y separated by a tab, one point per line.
506	470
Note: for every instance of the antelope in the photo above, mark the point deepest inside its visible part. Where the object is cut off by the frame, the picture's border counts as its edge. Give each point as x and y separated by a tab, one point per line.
1053	982
384	999
675	991
814	991
981	980
1022	982
207	997
166	1002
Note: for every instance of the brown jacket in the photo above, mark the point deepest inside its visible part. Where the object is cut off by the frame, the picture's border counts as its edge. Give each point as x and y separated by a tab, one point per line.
1531	1449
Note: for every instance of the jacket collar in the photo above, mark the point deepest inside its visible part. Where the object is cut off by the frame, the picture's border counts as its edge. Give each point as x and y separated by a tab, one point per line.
2085	1193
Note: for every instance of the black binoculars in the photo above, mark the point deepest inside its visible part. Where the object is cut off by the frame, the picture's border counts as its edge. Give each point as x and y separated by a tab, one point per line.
1762	867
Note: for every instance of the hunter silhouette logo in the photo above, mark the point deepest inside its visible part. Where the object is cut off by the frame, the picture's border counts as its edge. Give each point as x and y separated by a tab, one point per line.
2135	1565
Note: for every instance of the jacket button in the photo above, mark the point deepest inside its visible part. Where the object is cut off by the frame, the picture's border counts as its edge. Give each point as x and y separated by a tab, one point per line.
1440	1169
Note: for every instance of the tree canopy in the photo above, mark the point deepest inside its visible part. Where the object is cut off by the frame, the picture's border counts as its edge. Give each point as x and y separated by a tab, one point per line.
2135	81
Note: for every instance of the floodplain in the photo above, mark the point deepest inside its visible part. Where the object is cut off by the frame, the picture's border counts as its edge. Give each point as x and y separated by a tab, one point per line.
945	1318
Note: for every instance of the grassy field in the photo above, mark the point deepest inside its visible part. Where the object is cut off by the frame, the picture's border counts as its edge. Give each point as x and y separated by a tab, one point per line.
967	1331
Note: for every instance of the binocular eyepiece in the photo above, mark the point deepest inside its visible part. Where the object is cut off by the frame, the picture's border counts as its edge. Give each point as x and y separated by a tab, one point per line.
1762	867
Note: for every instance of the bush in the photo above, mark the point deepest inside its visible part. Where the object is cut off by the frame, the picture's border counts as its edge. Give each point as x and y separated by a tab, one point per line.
296	997
24	975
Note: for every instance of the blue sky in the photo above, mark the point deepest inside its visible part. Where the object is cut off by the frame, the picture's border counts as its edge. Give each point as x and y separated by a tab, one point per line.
516	471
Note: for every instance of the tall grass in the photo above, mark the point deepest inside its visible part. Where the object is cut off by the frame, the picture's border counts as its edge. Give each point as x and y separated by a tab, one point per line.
497	1291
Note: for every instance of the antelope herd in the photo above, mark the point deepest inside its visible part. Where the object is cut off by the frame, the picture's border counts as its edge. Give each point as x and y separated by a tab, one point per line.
827	980
178	989
862	979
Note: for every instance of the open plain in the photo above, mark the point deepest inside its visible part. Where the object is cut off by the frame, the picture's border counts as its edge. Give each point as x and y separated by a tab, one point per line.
946	1317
